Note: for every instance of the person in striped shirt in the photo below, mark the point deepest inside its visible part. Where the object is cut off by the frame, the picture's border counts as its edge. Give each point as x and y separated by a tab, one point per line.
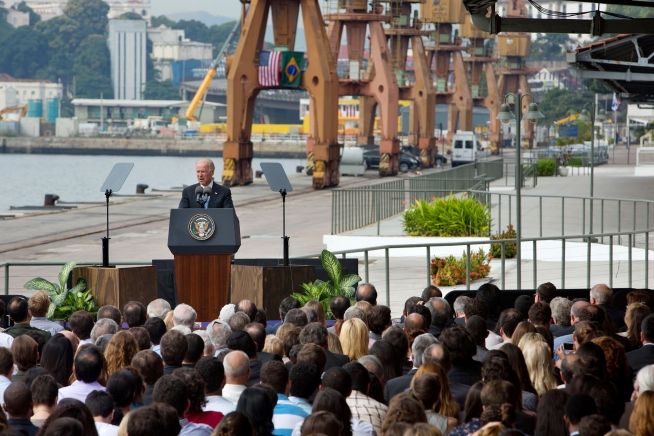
286	415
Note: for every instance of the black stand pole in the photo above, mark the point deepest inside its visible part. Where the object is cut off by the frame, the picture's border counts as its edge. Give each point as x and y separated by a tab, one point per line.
105	240
284	237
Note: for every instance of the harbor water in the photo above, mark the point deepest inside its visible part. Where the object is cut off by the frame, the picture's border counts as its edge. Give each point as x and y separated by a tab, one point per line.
26	178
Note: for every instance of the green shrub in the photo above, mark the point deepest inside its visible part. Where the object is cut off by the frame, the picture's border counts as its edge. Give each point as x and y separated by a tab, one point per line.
574	161
546	167
451	271
64	301
324	292
448	216
509	247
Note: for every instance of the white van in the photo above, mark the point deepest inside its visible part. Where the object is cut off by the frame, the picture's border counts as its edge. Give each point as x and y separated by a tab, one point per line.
466	148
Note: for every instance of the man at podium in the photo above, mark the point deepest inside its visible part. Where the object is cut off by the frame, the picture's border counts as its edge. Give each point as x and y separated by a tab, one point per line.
206	193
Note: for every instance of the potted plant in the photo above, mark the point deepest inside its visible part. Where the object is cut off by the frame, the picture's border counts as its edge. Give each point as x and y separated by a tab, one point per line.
324	291
510	248
451	271
64	301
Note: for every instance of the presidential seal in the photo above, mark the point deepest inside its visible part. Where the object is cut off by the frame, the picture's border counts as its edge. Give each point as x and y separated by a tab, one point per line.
201	226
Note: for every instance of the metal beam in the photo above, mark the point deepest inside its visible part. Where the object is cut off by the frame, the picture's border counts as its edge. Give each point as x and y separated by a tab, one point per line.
626	76
597	26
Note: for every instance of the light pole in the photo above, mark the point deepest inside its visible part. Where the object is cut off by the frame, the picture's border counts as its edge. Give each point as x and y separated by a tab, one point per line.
506	115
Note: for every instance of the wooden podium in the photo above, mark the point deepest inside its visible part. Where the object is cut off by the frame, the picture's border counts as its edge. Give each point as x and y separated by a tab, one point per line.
117	286
203	242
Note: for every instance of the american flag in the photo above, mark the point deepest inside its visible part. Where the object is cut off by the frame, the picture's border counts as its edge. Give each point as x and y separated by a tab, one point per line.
269	65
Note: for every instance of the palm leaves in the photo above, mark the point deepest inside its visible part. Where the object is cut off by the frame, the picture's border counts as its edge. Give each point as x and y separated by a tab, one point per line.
324	291
64	301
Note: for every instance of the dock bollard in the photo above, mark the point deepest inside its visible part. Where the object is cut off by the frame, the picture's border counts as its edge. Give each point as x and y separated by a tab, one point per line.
258	174
50	200
299	169
141	187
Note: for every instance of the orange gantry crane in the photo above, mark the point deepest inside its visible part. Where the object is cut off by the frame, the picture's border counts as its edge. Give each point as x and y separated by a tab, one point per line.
318	78
480	65
405	32
445	52
377	85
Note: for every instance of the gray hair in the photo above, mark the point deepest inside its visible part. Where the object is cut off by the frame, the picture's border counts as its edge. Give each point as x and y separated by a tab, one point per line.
314	333
372	364
208	345
645	379
561	310
354	312
601	293
218	332
440	310
226	312
103	326
158	308
236	363
238	321
185	330
184	315
460	303
208	162
420	344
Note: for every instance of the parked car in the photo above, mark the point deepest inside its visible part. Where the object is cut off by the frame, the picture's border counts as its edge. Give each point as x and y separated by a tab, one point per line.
439	159
371	159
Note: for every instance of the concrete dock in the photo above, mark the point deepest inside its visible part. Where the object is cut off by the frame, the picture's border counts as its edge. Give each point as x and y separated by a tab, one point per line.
139	230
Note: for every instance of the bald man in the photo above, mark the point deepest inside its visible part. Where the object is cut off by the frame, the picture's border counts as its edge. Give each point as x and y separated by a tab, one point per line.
210	194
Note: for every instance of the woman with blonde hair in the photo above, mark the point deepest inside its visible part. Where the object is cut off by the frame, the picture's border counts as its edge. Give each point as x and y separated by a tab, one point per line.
354	338
538	358
641	422
447	406
120	350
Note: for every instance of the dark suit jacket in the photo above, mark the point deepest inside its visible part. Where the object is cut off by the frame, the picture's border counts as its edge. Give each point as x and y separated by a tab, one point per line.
335	359
641	357
264	357
398	385
221	197
467	373
559	330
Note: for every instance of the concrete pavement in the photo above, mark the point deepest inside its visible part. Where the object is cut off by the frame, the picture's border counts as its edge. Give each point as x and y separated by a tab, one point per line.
139	227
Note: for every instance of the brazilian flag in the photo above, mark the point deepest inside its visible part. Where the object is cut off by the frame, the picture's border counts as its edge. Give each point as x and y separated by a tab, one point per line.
292	68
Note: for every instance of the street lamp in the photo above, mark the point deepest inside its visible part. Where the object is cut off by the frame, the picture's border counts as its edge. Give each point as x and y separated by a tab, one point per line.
506	115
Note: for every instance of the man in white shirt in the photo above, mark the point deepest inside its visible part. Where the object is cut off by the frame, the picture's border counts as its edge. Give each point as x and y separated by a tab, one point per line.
237	374
213	373
88	365
102	408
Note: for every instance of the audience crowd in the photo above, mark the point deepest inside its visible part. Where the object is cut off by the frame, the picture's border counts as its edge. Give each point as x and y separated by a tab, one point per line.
545	366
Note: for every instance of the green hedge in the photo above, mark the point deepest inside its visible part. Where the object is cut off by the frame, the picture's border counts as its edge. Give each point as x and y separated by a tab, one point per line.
449	216
546	167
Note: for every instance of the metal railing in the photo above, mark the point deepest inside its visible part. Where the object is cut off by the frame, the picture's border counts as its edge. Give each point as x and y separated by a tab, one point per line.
555	215
354	208
609	269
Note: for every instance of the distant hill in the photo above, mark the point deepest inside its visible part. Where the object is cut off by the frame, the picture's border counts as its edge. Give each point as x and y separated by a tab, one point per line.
210	20
203	16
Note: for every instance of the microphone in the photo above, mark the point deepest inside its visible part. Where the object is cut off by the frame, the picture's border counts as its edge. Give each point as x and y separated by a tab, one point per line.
198	195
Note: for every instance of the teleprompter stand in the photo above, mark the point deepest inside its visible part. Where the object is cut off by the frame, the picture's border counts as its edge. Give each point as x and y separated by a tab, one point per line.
278	182
113	183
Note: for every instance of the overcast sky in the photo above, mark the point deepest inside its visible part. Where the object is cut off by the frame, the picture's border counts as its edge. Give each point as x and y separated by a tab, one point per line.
225	8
